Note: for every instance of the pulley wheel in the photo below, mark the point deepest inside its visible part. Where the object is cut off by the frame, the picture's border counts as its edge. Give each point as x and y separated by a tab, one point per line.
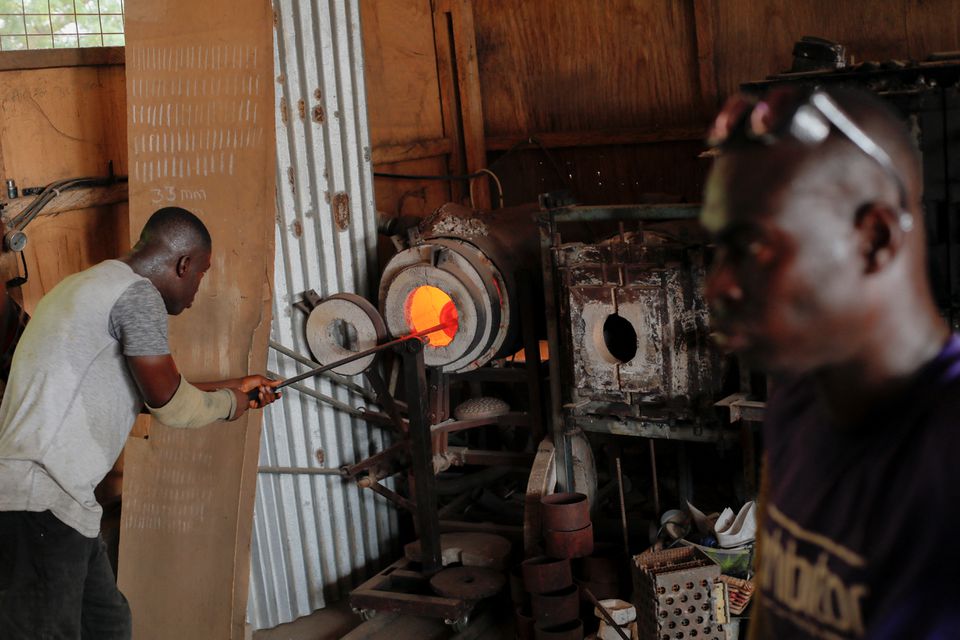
342	325
467	583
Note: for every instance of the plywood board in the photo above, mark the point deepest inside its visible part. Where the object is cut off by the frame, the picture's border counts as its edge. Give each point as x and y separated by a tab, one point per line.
61	123
580	66
412	197
201	135
607	175
400	67
755	38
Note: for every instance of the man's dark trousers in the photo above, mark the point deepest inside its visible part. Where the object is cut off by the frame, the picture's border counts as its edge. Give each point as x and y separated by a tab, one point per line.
55	583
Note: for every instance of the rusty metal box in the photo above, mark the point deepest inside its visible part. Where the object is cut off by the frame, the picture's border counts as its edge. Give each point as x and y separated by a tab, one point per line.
673	591
636	327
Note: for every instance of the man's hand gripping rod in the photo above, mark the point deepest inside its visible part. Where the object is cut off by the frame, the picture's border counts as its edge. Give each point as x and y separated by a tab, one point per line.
254	394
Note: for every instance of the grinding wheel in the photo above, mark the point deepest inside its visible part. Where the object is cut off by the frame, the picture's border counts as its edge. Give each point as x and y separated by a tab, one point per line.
325	326
467	583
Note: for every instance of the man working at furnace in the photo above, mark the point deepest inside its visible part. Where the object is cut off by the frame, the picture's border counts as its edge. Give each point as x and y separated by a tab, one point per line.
93	355
821	279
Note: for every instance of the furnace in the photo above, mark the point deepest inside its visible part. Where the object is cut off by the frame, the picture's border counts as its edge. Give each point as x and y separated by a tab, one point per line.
461	268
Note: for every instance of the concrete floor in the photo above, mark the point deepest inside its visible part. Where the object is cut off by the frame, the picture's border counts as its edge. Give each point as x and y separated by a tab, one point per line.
339	622
331	623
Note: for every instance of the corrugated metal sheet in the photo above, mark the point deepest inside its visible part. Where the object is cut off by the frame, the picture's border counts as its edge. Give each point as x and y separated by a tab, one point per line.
316	535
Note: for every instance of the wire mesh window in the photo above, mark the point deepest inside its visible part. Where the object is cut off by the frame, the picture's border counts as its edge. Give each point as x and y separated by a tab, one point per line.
60	24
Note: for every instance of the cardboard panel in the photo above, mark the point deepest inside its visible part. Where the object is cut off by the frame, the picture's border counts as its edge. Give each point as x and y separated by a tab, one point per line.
201	135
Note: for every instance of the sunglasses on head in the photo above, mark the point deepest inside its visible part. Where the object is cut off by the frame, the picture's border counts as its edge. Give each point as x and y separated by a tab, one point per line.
806	116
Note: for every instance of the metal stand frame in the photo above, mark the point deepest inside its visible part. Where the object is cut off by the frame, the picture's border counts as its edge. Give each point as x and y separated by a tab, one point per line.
404	587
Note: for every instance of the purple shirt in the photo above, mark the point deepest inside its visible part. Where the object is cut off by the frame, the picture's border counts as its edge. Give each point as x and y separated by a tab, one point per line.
859	528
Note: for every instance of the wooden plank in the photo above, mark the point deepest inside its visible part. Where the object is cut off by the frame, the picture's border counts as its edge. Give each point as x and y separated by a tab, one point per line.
597	138
471	102
71	200
400	71
449	105
414	150
49	58
622	174
59	246
555	65
412	197
754	38
59	123
188	493
704	28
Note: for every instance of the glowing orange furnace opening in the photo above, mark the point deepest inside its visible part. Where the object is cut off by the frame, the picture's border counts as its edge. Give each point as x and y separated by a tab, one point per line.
429	306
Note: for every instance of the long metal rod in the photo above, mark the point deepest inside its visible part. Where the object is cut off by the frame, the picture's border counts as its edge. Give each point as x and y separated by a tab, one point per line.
602	609
653	474
373	417
312	471
360	355
333	377
561	441
623	509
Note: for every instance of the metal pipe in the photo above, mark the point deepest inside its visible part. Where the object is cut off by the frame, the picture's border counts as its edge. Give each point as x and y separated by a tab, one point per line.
623	509
471	481
312	471
653	471
374	417
602	609
334	377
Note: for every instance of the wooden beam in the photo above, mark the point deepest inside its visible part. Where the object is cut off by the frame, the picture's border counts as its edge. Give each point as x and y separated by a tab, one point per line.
82	198
48	58
446	81
414	150
598	138
471	104
704	25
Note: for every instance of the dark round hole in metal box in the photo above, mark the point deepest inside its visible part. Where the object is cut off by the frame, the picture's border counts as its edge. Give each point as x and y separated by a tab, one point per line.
620	337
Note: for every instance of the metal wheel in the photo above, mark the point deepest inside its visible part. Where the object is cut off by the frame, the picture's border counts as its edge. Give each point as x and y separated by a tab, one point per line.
460	625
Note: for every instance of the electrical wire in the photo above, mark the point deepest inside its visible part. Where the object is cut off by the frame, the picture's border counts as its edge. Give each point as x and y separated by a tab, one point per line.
469	177
496	181
53	190
528	141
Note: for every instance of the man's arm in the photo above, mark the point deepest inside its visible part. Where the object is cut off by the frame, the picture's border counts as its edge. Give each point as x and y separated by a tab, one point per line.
159	380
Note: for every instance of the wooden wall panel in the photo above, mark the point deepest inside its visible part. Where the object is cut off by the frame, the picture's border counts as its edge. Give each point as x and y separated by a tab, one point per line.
203	71
60	123
403	97
412	197
601	80
556	65
662	172
407	131
754	38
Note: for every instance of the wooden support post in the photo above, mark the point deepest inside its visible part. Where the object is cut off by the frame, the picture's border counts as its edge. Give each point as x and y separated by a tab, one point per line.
704	23
449	104
421	454
459	76
82	198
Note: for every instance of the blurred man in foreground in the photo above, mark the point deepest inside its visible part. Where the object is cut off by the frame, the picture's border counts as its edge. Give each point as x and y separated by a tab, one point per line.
821	280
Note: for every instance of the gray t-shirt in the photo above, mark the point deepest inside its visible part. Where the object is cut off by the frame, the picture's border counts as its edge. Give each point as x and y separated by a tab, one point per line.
71	400
138	321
